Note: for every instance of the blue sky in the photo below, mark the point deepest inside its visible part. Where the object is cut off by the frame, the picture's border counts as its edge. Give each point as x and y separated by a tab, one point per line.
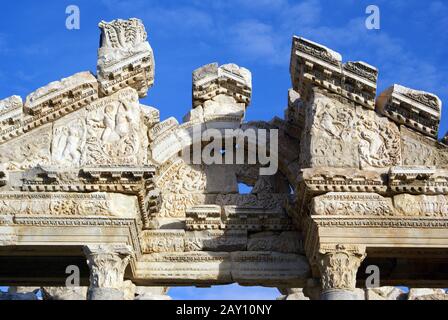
409	49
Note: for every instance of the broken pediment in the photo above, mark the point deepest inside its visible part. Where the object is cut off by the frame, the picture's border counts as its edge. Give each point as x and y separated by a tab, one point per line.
83	163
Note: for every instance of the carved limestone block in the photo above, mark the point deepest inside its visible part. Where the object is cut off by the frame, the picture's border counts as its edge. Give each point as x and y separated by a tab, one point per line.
203	217
420	150
255	219
200	267
229	79
179	177
379	141
313	64
261	268
338	266
64	293
58	99
28	150
222	108
418	110
11	110
418	180
156	241
331	141
107	264
427	294
68	204
161	129
116	131
68	145
319	180
352	204
125	58
422	205
285	242
177	205
216	240
360	82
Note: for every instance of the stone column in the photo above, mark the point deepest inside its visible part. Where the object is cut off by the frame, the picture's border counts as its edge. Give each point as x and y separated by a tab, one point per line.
338	266
107	264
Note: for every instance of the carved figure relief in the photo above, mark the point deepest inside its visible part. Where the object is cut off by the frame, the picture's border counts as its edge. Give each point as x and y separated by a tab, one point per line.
115	131
68	142
380	144
332	140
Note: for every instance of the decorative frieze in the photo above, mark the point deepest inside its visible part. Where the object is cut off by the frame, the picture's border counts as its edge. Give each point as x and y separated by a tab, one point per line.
422	205
421	150
418	110
125	58
203	217
260	267
200	267
216	240
352	204
285	242
320	180
418	180
50	103
156	241
68	204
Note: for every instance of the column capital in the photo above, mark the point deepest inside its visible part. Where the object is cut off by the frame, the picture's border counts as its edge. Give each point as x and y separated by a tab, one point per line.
338	266
107	264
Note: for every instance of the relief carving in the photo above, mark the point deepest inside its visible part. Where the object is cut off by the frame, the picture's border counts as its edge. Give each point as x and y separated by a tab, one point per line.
116	133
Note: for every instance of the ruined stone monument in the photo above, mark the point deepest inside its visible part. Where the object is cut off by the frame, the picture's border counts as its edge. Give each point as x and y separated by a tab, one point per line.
90	177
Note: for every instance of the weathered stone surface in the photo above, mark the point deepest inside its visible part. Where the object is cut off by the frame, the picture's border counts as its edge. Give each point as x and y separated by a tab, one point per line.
29	150
68	204
418	180
212	80
421	150
286	242
155	241
84	165
316	65
427	294
11	110
352	204
64	293
125	58
416	109
341	135
216	240
259	267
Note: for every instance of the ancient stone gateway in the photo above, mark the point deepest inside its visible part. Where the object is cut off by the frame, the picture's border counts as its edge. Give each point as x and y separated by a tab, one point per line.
87	173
